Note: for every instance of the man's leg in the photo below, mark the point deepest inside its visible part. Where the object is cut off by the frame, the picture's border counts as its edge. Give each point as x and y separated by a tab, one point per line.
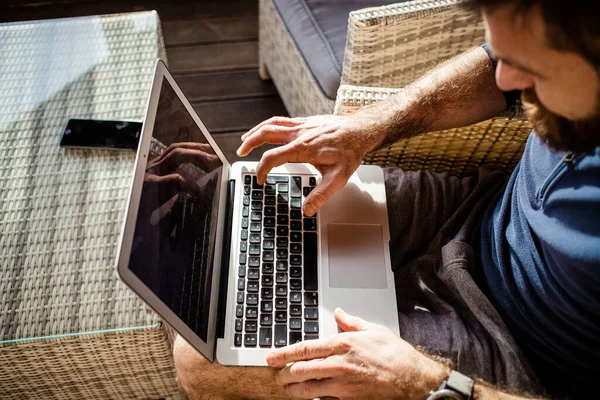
201	379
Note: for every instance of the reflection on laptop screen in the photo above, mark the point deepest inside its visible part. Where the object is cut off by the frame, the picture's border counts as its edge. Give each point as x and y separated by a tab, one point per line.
174	240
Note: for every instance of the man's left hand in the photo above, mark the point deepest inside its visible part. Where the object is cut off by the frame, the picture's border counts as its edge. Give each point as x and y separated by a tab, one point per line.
365	361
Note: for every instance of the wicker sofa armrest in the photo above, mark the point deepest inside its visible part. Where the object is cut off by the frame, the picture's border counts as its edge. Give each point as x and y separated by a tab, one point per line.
391	46
496	143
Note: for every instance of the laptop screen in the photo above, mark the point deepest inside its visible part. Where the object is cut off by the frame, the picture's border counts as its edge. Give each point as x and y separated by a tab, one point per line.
174	240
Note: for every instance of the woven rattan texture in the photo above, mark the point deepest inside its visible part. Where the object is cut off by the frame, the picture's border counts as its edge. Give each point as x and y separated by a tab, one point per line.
296	85
497	143
61	212
391	46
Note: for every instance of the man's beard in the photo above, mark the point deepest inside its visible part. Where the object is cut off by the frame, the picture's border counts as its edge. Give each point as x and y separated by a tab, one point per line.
558	132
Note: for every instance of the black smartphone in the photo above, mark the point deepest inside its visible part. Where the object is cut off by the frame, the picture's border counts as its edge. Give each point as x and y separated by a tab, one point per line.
98	134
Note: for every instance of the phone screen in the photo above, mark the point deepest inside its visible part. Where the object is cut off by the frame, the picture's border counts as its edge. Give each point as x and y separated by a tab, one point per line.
97	134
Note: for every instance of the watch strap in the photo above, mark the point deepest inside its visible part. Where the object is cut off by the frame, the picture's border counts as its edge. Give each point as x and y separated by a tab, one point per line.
460	383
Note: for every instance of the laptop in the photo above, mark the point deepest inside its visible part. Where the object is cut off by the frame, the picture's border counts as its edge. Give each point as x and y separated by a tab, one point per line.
235	267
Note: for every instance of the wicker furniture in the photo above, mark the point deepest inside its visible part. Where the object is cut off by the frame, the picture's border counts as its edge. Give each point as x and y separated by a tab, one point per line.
68	327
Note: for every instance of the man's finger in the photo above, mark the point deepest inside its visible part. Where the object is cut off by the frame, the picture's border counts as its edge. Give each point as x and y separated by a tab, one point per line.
350	323
278	121
267	134
274	158
332	182
306	370
315	389
303	351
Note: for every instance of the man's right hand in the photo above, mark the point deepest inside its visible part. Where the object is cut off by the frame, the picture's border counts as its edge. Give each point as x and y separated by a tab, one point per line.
335	145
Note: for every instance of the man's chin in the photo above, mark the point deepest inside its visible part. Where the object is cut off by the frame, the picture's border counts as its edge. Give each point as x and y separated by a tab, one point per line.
559	133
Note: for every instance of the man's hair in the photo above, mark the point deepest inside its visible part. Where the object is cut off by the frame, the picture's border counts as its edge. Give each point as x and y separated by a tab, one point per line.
571	25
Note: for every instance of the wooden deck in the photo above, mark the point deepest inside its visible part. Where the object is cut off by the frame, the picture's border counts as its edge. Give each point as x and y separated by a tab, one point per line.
212	49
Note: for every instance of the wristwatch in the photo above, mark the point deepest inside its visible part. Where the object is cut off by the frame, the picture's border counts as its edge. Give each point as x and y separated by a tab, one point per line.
457	387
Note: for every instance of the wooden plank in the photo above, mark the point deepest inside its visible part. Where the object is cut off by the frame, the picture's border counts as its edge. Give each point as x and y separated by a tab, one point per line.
238	115
182	32
226	85
178	9
229	143
213	57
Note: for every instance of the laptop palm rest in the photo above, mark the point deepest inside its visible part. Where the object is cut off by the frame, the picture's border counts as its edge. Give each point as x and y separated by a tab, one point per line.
356	256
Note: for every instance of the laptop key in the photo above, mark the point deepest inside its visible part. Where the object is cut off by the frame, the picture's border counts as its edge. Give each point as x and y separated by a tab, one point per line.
282	208
255	226
244	234
252	299
238	325
254	249
246	190
251	312
280	316
268	256
269	222
310	261
239	311
245	211
295	337
311	299
306	190
246	200
296	248
295	259
295	323
269	211
311	313
267	268
267	280
296	272
271	180
295	203
243	258
282	242
266	319
282	230
256	206
282	254
296	297
311	337
296	214
280	290
265	337
295	310
242	271
247	179
269	200
250	326
282	219
295	284
252	286
240	298
266	293
280	304
281	277
255	184
256	216
294	237
253	261
280	339
310	224
270	190
312	181
268	245
250	340
295	185
266	306
283	198
243	246
269	233
253	273
237	340
311	327
241	284
281	265
283	187
244	223
254	237
294	226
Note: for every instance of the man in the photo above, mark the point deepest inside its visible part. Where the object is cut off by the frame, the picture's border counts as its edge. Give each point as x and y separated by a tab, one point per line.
500	281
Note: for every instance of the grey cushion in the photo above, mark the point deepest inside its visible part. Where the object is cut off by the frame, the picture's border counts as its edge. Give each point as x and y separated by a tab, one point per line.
319	27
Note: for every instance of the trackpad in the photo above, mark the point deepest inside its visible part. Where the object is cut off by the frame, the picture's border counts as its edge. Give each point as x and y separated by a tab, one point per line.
356	256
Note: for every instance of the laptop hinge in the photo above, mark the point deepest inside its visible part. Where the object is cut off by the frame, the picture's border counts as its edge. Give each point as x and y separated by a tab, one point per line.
226	250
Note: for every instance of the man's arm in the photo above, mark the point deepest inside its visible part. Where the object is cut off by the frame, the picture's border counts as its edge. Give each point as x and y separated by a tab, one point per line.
460	92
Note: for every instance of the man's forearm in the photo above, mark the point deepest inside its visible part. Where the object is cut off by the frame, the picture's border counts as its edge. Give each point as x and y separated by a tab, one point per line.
460	92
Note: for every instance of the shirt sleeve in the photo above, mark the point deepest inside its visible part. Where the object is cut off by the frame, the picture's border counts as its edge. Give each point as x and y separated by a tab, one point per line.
514	95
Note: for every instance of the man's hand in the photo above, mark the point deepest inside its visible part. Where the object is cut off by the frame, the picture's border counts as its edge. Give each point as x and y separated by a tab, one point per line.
366	361
335	145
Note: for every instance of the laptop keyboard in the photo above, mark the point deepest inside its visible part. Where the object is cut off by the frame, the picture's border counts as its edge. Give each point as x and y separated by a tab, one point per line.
277	299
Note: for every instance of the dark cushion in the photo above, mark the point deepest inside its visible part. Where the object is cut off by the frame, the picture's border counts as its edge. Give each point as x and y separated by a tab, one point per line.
319	28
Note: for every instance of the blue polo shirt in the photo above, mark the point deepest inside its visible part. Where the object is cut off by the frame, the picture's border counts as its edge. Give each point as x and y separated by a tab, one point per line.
540	254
